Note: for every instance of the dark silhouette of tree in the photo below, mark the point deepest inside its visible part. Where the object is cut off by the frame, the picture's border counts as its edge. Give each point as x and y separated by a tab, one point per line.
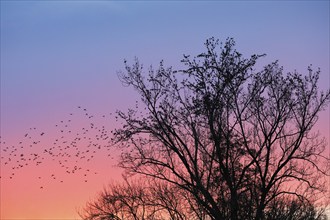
285	209
140	199
235	140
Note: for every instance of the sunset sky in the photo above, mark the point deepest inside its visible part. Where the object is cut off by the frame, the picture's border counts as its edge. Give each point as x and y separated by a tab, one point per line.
59	73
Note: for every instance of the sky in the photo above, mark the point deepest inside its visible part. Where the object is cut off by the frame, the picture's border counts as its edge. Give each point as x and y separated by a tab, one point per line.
59	73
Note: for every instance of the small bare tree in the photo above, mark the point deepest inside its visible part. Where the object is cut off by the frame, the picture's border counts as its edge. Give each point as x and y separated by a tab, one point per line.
140	200
285	208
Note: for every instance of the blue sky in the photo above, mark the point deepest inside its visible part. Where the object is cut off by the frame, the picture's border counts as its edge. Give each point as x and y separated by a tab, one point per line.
68	52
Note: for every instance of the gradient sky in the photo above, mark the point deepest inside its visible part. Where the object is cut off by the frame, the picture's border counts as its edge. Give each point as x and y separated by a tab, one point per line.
58	55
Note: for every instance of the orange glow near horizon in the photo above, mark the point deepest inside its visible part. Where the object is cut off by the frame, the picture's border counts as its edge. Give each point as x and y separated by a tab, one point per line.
25	196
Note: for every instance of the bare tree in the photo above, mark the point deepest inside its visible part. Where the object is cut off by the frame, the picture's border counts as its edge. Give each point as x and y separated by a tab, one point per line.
234	139
139	200
119	201
287	209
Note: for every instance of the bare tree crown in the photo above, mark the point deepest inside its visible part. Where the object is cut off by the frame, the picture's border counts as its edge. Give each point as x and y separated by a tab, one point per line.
235	139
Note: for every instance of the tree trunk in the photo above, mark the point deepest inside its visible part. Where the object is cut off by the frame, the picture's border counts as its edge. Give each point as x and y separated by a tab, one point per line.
260	210
234	206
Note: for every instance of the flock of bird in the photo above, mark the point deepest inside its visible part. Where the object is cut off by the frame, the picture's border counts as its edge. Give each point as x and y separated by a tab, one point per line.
73	146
